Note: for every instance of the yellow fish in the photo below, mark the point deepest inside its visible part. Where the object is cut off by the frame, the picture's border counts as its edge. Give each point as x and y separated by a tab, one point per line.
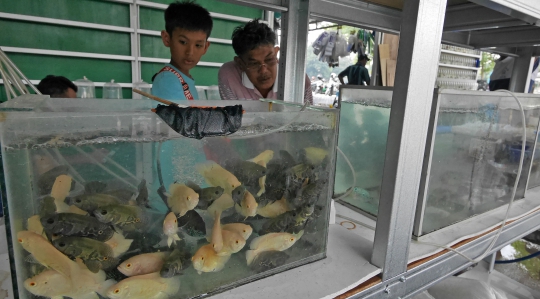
221	204
314	155
119	244
182	199
216	175
145	286
34	225
82	284
274	209
217	238
60	190
271	242
143	264
232	243
170	228
207	260
242	229
263	159
265	156
48	283
248	206
45	253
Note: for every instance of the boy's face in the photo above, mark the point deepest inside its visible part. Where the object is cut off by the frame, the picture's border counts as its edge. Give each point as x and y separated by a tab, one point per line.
260	66
187	47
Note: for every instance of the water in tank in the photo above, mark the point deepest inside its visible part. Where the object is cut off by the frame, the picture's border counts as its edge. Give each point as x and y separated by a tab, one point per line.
108	200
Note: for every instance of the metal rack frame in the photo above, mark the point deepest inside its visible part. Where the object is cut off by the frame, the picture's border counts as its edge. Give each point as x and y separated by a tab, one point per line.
503	26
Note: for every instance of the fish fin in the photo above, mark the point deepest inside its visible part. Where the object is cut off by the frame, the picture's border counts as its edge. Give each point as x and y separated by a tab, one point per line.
159	295
177	238
121	244
299	235
91	295
250	256
173	286
193	186
104	286
162	192
132	202
57	297
94	187
199	272
93	266
170	241
31	259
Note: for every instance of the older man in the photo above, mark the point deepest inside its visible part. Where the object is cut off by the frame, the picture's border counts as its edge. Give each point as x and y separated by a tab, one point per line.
253	73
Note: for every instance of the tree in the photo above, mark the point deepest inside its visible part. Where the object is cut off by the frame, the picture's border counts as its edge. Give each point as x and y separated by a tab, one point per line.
487	63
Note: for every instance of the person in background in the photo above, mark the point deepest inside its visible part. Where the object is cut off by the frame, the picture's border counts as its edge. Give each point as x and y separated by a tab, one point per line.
502	72
57	87
252	74
187	28
356	74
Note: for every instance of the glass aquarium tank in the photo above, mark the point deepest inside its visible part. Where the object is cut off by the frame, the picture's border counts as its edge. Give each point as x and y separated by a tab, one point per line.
107	199
363	129
475	155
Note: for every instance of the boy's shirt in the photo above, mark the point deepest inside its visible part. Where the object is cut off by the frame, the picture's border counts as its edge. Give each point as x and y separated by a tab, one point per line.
168	86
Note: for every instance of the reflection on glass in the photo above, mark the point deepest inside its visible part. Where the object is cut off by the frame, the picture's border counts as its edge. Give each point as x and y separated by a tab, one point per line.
476	155
363	130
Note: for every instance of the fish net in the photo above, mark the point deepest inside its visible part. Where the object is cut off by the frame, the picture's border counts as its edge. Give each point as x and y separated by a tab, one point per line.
200	122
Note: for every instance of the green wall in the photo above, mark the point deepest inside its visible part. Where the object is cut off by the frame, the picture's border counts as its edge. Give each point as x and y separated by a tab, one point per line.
34	35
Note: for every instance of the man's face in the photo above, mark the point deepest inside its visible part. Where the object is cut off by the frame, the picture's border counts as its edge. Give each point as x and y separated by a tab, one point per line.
187	47
260	65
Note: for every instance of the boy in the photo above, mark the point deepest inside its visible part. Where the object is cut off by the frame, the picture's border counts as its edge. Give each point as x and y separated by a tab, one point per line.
187	28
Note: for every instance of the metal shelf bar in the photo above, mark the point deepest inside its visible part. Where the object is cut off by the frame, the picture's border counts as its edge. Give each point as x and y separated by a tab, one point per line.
419	46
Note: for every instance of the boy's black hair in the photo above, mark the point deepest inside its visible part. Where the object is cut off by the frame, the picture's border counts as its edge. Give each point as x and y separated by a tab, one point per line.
251	35
55	86
189	16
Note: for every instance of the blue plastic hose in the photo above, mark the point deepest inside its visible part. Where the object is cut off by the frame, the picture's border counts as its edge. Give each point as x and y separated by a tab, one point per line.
519	259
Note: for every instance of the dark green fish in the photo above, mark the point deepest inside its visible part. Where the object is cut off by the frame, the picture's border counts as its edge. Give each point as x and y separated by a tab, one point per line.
46	180
308	194
268	260
287	159
303	215
47	207
126	217
91	202
94	187
75	225
238	194
123	195
175	263
193	224
279	224
142	197
96	255
206	195
247	172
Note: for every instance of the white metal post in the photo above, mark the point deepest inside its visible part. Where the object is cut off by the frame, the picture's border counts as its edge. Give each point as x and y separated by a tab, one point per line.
375	73
419	44
135	50
295	26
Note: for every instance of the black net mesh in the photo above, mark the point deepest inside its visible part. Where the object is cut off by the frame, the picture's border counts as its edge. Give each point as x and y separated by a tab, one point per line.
198	122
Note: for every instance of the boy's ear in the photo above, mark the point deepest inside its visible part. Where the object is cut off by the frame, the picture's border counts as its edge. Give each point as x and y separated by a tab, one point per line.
165	37
206	47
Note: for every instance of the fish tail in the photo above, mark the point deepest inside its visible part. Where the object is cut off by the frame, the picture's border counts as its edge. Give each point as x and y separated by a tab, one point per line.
119	244
173	285
250	256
